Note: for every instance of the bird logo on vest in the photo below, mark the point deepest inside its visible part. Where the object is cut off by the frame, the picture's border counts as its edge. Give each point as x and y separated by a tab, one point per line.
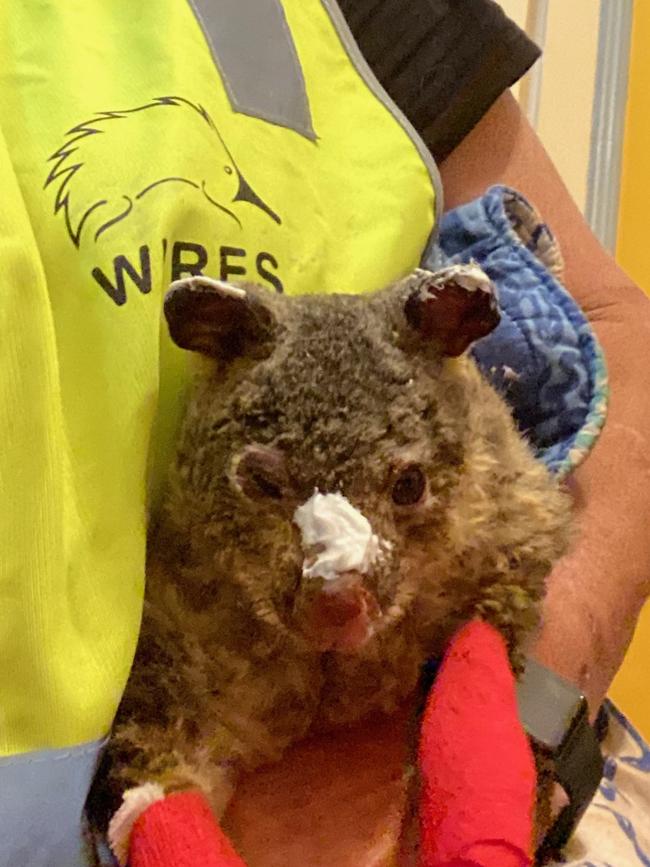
99	179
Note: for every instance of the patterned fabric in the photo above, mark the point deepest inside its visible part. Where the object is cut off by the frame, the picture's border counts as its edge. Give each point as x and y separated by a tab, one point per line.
615	830
543	357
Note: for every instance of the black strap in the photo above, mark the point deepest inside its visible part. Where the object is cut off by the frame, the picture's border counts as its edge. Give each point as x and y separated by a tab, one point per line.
579	770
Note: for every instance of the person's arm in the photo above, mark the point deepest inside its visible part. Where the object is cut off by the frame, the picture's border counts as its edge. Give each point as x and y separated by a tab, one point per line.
596	593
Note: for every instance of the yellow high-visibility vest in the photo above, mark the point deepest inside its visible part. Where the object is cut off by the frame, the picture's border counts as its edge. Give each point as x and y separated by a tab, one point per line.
245	139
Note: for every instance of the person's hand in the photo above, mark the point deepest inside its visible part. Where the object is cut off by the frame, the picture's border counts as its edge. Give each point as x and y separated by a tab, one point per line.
335	800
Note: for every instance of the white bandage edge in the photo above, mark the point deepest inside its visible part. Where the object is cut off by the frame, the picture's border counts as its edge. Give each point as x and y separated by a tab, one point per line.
134	803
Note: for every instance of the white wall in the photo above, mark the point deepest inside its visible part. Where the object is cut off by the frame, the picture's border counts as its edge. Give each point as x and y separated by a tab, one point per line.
568	70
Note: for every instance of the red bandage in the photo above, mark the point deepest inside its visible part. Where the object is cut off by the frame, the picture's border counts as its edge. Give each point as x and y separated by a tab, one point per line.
478	776
180	831
478	771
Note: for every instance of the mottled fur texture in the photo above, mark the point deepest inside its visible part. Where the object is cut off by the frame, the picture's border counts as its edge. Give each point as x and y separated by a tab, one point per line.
347	394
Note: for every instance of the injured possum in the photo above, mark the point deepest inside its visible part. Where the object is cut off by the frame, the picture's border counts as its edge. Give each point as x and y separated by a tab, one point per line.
347	491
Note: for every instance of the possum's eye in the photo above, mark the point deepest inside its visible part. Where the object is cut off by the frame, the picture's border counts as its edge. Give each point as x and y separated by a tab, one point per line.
409	487
260	474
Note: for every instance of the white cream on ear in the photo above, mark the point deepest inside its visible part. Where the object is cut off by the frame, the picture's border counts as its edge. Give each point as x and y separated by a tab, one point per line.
221	285
470	277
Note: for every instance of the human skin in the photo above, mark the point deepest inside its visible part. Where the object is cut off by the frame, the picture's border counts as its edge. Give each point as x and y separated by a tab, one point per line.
595	594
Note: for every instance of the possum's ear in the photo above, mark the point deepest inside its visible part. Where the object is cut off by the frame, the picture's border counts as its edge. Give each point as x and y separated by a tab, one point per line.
221	320
448	309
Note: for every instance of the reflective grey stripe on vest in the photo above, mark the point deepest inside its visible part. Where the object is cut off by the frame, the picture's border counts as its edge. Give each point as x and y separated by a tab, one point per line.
255	53
254	50
42	796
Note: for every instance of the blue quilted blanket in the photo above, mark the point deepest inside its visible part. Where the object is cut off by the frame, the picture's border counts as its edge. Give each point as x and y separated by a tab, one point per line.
543	357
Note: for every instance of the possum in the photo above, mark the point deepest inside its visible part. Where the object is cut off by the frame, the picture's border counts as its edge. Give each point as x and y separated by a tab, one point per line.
347	491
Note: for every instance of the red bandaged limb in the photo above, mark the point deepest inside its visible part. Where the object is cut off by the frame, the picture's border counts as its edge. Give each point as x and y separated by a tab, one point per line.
477	768
180	831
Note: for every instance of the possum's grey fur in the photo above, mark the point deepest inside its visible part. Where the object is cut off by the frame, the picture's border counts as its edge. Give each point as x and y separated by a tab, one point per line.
345	391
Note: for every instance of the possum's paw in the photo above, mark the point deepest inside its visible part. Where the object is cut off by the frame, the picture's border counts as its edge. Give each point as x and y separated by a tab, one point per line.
512	610
134	803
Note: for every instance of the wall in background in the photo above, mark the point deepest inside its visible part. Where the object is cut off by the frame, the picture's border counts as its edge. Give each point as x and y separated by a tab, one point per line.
635	181
516	9
565	124
630	689
569	71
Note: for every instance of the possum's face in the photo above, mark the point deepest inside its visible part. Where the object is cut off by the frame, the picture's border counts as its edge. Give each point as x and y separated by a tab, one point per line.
322	446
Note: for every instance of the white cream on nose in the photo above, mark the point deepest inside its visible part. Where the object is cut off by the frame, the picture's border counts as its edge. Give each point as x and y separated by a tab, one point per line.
340	535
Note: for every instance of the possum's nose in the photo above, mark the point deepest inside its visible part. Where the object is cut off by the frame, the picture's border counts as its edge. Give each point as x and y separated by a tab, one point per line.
339	607
341	615
337	611
337	538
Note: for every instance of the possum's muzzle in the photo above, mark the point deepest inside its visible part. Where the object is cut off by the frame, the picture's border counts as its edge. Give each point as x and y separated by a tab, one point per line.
339	615
342	553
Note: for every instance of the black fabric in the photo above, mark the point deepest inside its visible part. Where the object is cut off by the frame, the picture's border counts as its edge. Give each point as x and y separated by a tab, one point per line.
444	62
